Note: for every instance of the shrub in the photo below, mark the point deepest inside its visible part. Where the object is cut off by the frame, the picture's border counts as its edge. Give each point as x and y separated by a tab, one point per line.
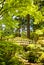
41	42
34	52
16	61
42	58
8	52
32	57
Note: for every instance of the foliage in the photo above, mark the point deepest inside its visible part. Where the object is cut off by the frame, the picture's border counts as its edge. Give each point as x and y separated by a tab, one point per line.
9	53
13	17
41	41
35	53
42	58
10	8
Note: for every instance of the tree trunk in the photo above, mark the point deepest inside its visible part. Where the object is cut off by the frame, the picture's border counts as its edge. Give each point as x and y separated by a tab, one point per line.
28	26
18	32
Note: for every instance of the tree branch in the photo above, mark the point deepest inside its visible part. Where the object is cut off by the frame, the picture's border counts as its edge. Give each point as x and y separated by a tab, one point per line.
2	4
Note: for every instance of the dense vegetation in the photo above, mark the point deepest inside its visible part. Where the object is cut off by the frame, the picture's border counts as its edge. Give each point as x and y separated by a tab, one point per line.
21	32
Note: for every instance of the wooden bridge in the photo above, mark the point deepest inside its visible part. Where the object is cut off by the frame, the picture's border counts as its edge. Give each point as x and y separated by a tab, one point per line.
22	41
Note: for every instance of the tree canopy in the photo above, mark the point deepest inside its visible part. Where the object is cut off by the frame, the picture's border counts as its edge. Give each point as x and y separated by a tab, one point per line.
9	9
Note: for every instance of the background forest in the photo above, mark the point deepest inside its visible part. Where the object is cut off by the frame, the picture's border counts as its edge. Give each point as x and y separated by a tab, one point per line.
21	32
